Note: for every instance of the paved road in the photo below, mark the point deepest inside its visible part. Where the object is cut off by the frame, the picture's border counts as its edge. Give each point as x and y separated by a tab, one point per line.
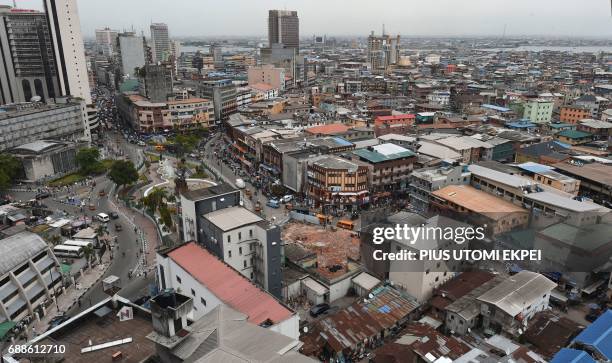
220	168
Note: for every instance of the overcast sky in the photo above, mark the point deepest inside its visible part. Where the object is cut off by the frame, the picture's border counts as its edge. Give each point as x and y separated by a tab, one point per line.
351	17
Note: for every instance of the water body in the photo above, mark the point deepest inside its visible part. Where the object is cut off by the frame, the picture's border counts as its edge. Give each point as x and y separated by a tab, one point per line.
540	48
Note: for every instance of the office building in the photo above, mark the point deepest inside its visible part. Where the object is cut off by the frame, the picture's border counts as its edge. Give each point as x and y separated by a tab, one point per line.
156	82
28	122
383	50
216	52
29	275
131	52
160	42
29	66
284	28
106	41
223	94
268	74
44	159
65	26
282	57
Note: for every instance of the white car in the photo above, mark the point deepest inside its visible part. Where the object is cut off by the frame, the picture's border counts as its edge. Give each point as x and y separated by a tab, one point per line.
287	198
240	184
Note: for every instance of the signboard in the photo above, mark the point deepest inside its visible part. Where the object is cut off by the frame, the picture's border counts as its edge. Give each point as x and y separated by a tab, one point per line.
126	313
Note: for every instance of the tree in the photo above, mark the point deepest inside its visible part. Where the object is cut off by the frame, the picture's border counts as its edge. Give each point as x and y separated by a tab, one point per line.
88	160
155	199
123	173
10	170
55	239
166	217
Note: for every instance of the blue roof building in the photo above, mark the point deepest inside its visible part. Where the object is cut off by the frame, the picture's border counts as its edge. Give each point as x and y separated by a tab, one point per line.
598	336
567	355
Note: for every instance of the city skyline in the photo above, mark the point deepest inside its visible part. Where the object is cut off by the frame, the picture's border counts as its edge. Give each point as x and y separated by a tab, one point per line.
434	18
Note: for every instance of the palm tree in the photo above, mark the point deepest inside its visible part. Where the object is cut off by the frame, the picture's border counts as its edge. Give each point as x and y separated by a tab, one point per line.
88	252
55	239
101	230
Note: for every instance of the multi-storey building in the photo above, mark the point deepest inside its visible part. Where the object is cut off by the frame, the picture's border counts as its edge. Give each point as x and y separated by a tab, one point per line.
29	66
156	82
131	53
28	122
106	41
573	114
65	27
539	111
335	183
423	182
160	42
268	74
223	95
383	50
284	28
391	166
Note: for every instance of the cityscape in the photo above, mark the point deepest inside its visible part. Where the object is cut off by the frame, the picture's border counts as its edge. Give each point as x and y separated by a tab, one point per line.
265	187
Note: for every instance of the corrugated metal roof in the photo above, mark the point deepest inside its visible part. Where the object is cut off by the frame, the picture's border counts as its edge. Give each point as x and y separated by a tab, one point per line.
16	249
599	335
517	292
229	218
566	355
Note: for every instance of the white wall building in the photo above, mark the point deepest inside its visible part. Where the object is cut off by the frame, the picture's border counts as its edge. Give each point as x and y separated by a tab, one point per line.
195	272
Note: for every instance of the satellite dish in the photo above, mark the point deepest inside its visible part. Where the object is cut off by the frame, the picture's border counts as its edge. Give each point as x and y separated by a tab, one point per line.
305	329
370	296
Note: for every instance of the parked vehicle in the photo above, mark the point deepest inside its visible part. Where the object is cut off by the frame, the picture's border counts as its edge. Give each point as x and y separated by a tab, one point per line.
118	227
273	203
240	184
319	309
113	215
343	223
103	217
287	198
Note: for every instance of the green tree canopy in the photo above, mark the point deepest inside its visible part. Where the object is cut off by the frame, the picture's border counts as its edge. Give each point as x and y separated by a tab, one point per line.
123	172
88	160
10	169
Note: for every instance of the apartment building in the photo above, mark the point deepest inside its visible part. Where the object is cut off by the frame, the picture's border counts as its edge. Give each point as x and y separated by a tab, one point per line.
267	74
539	111
573	114
223	95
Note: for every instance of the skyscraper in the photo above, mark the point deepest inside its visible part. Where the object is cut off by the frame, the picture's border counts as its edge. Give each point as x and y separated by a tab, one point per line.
65	27
106	41
28	68
160	42
131	53
284	28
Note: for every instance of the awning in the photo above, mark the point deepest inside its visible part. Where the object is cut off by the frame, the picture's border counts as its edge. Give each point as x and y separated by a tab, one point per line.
65	268
6	327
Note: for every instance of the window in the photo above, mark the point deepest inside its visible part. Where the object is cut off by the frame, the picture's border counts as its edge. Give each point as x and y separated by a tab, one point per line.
203	301
229	254
193	292
427	272
239	236
244	263
229	238
250	233
240	250
437	278
178	279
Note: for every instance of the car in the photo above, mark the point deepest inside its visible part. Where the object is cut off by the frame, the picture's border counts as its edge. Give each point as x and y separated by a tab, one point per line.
118	227
273	203
113	215
319	309
240	184
42	195
58	320
287	198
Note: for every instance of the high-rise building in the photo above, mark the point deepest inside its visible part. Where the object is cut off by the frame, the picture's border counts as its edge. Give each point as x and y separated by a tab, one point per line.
29	67
156	82
65	27
217	54
160	42
131	53
284	28
383	50
106	41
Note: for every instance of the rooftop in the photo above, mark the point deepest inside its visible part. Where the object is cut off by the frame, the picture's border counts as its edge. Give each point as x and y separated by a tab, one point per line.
477	201
233	217
228	285
549	332
336	162
514	294
18	248
330	129
600	173
384	152
598	335
573	134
